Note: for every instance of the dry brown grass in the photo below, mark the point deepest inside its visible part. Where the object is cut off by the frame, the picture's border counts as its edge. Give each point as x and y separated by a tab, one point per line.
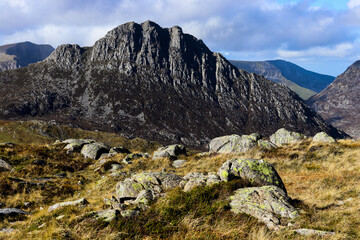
323	178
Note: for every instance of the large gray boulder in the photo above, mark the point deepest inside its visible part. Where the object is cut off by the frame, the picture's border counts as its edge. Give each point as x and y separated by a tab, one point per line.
256	171
4	166
171	151
233	143
266	203
156	182
79	202
94	150
323	137
283	136
75	145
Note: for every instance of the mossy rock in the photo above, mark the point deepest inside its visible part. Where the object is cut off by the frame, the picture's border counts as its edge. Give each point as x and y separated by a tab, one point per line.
323	137
256	171
171	151
283	136
233	143
94	150
269	204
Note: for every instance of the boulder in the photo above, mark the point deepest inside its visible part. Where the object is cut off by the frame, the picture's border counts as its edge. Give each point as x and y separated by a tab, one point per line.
171	151
156	182
145	196
94	150
192	180
232	144
129	213
323	137
119	150
256	171
79	202
283	136
12	212
266	203
4	166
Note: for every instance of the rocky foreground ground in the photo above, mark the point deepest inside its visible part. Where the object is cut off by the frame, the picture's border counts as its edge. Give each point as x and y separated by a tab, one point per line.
286	187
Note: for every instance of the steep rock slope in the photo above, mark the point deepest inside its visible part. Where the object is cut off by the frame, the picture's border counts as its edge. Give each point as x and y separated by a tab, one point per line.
144	80
305	83
17	55
339	102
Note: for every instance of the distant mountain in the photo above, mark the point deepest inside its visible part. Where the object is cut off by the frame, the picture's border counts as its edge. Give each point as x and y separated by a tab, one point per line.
156	83
305	83
339	102
17	55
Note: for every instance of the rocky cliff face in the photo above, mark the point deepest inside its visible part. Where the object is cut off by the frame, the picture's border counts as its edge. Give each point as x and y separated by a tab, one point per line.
339	102
305	83
17	55
144	80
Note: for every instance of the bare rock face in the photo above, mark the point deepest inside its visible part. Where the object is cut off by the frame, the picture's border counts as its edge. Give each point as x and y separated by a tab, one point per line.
339	102
156	83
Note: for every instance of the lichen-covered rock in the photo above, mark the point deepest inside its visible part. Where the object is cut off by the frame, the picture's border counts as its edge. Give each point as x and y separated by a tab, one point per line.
79	202
156	182
171	151
195	179
129	213
232	143
94	150
128	189
283	136
144	197
266	144
253	170
106	215
312	232
267	203
4	166
323	137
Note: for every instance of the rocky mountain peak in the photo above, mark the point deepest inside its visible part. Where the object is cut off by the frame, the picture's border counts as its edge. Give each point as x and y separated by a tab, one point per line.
338	103
157	83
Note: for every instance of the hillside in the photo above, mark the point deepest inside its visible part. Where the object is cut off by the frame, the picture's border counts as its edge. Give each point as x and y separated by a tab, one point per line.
142	80
13	56
321	179
305	83
338	103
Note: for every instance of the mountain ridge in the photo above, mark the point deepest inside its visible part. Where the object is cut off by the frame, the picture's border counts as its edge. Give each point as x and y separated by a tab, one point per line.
156	83
16	55
338	103
304	82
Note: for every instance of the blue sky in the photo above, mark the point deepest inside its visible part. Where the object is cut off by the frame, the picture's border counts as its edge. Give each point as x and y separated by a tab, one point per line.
319	35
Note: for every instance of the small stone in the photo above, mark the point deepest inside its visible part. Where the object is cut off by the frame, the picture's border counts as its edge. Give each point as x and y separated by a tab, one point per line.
79	202
312	232
130	213
42	225
4	166
60	217
178	163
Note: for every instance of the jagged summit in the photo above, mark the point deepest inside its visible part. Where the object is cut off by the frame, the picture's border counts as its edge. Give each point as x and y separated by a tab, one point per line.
158	83
339	102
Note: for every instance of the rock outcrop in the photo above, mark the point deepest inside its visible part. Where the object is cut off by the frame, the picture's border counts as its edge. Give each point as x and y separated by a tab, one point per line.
252	170
283	136
171	151
269	204
339	102
156	83
323	137
4	166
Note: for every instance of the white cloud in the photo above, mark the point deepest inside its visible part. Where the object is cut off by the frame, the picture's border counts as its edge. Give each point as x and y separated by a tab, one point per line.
340	50
353	3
